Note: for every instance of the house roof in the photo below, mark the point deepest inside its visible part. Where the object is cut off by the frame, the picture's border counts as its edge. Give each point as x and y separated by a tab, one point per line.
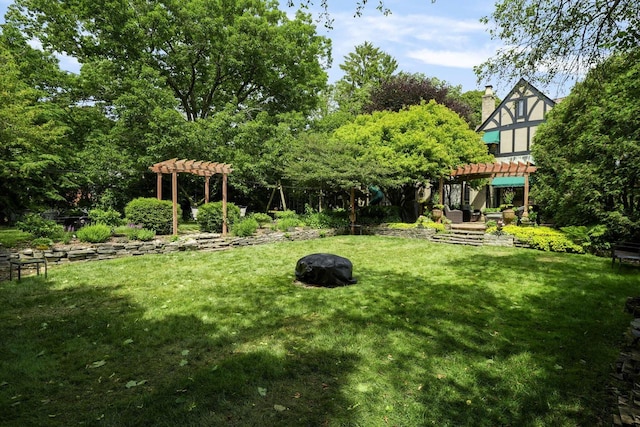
522	82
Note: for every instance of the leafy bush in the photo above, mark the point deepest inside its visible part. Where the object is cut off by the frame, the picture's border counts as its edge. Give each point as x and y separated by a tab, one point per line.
151	213
288	214
543	238
262	218
40	227
326	219
136	232
379	214
421	222
286	220
245	227
109	217
210	216
42	243
96	233
145	235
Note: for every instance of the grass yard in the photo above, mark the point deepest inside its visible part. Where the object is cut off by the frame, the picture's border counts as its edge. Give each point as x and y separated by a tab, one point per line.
431	335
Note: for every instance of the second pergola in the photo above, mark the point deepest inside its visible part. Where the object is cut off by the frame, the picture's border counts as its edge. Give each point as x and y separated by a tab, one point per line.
492	170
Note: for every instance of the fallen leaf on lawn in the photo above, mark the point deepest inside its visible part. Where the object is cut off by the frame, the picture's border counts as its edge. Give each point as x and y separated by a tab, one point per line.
468	402
441	376
127	342
185	352
279	408
134	383
262	391
184	362
558	367
297	396
97	364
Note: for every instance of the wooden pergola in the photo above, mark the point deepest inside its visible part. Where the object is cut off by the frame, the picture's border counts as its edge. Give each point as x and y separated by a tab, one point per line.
206	169
491	170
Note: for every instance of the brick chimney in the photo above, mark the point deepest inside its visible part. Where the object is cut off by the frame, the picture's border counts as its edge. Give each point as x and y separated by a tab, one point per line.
488	102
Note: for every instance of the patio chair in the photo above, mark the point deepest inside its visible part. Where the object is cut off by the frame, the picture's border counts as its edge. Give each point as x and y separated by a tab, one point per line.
453	215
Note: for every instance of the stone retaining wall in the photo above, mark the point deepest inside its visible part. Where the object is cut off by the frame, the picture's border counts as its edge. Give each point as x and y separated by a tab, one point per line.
62	254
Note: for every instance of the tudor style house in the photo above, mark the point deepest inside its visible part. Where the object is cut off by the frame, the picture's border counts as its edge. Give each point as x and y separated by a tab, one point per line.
508	131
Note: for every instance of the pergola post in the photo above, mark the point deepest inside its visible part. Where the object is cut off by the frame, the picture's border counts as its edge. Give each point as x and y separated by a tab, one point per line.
525	213
206	188
441	191
159	185
224	204
174	198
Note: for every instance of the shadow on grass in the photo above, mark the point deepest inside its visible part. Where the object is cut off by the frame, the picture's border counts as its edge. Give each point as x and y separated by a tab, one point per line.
88	356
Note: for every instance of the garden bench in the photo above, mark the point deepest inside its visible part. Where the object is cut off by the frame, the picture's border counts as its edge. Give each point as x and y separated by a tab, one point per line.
625	251
19	263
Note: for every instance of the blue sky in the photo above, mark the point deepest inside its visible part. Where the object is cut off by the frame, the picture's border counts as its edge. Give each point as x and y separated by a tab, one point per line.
444	39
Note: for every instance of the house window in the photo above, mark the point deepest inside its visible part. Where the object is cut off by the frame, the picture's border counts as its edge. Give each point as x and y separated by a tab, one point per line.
521	108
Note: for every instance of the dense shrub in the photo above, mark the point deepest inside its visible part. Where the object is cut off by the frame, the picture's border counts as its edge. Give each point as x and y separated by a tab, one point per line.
286	220
326	219
262	218
210	216
135	232
288	214
42	242
40	227
109	217
245	227
96	233
543	238
379	215
152	214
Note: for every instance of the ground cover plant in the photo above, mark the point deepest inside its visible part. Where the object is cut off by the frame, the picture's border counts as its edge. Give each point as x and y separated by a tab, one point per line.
432	334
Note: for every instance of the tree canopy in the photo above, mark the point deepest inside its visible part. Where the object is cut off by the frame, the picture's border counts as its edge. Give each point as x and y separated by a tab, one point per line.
399	91
389	149
556	38
588	151
208	53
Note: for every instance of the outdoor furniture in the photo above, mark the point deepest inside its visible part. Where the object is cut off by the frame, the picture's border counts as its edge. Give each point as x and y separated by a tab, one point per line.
453	215
625	251
20	263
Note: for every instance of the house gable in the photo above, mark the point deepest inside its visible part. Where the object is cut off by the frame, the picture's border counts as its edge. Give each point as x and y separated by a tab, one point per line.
516	120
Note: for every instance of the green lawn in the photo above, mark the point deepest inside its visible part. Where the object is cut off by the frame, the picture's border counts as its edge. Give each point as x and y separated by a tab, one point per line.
432	334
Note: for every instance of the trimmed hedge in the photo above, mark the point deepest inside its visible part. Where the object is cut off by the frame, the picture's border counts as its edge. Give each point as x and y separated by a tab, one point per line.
152	214
210	216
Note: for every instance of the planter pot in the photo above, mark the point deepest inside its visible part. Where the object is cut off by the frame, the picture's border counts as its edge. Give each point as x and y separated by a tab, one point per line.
492	216
436	214
508	216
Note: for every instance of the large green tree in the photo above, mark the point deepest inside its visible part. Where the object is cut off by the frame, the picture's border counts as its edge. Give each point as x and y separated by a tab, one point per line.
588	151
549	38
393	150
34	159
208	52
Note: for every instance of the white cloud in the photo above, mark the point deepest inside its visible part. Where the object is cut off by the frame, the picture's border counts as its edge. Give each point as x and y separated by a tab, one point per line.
451	58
